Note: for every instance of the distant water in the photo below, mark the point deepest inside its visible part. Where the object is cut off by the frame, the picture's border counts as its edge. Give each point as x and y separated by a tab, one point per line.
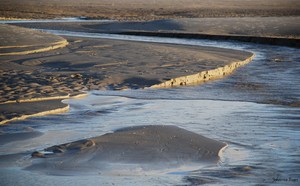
58	20
256	111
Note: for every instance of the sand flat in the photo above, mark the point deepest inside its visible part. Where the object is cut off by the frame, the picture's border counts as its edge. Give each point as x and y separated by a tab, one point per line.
147	10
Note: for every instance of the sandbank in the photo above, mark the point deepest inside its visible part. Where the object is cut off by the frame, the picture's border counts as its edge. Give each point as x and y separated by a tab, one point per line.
97	64
151	147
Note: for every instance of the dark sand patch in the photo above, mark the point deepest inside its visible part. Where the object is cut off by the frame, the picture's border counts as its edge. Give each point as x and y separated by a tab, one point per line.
283	27
152	146
265	30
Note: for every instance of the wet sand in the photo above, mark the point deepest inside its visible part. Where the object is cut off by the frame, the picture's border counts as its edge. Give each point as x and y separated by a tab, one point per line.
155	147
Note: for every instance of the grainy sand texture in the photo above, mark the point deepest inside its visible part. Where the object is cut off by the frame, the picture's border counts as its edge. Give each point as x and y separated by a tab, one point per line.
147	10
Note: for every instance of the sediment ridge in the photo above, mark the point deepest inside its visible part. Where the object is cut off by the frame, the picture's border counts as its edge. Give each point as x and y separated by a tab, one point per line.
36	99
53	46
25	110
39	107
203	76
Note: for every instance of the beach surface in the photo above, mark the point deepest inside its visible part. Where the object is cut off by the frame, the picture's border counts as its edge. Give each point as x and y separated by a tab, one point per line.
147	10
95	64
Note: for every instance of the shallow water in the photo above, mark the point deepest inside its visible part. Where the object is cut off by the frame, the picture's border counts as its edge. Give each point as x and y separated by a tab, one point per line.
59	20
255	110
263	139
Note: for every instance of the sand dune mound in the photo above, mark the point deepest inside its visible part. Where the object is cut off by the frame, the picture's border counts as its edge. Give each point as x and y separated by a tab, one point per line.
170	146
19	41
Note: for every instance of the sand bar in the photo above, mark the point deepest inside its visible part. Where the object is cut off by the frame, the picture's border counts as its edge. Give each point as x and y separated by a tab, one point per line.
154	147
95	64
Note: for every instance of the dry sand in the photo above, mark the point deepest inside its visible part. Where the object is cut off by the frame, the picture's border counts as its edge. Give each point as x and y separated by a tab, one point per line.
147	10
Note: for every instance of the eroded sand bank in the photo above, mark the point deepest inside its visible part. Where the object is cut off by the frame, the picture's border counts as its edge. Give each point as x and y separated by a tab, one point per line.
93	64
